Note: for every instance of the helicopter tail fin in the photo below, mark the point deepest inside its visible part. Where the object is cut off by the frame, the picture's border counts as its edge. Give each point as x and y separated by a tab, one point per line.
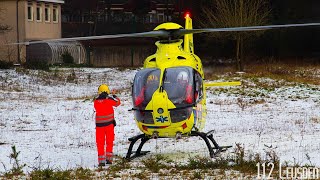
188	38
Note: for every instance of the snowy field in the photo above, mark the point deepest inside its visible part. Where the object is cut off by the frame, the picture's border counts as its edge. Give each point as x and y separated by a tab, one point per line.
49	117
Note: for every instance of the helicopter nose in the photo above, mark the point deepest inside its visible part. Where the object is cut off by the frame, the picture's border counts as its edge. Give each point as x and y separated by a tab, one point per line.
160	105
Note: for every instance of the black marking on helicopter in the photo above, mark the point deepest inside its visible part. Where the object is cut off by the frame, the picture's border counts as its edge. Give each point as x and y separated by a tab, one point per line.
181	58
191	46
142	110
155	127
182	107
162	119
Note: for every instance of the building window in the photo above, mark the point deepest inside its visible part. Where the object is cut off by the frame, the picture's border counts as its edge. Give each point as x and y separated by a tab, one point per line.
39	14
47	14
160	18
30	13
151	18
55	15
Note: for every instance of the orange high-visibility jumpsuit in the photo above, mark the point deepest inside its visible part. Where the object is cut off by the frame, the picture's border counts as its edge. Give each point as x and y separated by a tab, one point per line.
105	126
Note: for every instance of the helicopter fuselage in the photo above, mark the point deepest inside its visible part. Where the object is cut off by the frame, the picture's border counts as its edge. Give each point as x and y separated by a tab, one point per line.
174	106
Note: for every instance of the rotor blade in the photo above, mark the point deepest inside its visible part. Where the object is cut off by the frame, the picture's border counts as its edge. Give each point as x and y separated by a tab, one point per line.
233	29
158	33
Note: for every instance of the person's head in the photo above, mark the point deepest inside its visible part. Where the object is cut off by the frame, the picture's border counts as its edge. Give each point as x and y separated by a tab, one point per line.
103	88
182	77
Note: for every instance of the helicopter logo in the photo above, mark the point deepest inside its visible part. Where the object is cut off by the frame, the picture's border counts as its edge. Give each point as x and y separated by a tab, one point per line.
162	119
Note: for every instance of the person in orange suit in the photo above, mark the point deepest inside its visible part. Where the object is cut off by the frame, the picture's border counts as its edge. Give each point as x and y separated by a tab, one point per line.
105	123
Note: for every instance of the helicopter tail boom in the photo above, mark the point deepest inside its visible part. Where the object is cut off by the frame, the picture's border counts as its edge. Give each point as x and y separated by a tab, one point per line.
235	83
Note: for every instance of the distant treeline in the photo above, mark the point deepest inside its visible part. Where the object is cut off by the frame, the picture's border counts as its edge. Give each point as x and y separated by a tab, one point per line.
278	43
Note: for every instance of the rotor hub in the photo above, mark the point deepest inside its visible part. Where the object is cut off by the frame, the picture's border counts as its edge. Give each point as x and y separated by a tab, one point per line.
168	26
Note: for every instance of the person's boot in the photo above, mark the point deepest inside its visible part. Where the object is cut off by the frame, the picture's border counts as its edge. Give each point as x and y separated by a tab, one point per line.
102	164
108	161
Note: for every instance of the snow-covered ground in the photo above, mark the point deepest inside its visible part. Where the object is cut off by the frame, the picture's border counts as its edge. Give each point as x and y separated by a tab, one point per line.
49	117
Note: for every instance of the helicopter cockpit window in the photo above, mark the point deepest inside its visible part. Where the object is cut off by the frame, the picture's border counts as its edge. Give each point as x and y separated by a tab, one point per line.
178	83
146	82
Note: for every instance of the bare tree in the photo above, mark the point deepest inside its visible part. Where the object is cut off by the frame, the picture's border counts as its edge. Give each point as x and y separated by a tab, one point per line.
3	27
7	51
236	13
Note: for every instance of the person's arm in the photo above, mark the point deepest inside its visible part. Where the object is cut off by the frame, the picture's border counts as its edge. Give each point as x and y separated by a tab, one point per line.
116	101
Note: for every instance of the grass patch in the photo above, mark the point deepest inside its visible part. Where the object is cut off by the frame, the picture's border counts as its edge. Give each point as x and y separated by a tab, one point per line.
279	71
315	120
240	163
204	163
119	165
37	64
155	163
50	173
141	175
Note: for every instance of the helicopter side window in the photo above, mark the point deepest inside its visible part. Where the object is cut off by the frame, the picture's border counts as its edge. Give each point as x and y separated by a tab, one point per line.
178	83
198	87
146	82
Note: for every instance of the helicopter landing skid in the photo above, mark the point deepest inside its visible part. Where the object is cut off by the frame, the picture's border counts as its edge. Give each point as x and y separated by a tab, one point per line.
216	149
138	152
207	137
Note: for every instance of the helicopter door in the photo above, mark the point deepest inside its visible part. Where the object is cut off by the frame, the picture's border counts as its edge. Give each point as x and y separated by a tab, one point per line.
145	83
199	111
179	85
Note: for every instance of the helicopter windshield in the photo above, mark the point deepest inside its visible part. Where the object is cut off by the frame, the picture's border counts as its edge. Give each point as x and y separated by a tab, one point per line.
146	82
178	83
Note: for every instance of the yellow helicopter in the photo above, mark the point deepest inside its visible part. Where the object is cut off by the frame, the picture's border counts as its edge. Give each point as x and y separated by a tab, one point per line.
169	94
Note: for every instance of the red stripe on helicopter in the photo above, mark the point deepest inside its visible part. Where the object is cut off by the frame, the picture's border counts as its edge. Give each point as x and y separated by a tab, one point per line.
184	125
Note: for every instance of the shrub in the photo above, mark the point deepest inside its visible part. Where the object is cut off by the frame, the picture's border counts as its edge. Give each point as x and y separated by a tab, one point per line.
67	58
17	167
72	77
37	64
5	65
